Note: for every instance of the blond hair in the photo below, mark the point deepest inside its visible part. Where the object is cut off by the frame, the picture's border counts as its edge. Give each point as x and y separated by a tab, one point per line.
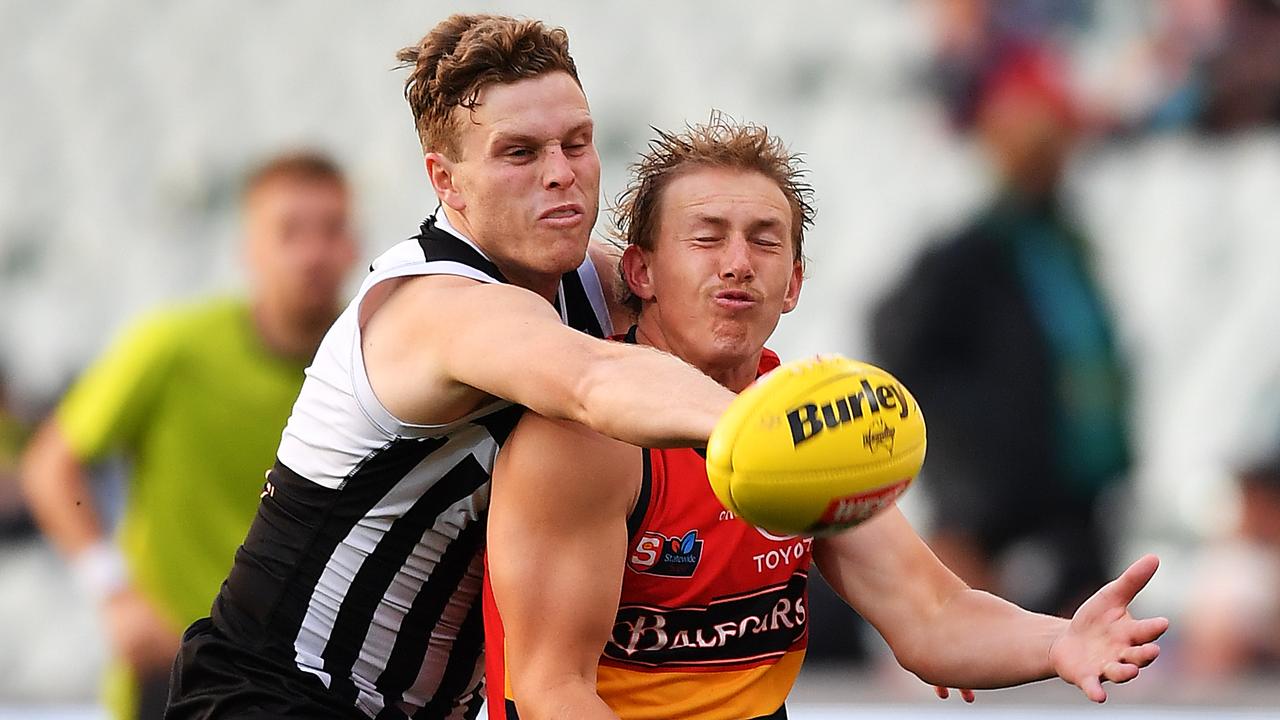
719	143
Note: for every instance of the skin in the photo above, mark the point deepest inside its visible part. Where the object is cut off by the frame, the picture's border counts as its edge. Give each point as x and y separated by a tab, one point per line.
298	247
524	187
717	293
572	544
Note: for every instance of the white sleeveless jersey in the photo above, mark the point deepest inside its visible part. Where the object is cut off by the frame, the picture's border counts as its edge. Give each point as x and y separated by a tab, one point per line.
364	565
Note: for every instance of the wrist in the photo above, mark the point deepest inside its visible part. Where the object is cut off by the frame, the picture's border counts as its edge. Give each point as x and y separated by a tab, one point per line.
99	570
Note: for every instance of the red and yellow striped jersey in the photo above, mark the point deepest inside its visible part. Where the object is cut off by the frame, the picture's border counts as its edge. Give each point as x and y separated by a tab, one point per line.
712	623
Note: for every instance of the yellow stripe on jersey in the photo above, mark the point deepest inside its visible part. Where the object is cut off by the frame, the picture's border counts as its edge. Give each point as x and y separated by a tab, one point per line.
707	695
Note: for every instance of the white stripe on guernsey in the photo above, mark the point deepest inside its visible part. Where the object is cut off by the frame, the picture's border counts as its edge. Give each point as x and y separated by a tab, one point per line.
347	558
390	613
595	294
437	656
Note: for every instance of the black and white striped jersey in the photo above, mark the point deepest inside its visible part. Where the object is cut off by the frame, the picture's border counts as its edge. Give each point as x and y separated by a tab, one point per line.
363	566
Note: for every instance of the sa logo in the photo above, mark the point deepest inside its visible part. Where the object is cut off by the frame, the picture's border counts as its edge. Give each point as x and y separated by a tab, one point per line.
668	556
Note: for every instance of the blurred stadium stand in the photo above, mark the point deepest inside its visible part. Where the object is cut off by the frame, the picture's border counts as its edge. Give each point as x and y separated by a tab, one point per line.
125	127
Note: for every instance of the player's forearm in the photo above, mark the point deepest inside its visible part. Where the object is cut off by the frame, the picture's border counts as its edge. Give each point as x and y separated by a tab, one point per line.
979	641
649	398
58	494
564	699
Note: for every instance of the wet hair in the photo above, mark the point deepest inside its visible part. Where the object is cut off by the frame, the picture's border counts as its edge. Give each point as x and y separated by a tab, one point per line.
719	143
453	63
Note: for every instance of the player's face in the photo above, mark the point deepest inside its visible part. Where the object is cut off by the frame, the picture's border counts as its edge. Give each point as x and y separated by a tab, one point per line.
527	179
300	245
722	269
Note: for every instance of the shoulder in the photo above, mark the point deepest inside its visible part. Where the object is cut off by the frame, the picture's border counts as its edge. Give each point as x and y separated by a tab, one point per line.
575	460
605	259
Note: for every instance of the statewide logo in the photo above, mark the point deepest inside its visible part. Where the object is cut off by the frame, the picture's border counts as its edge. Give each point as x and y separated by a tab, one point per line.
879	436
657	554
810	419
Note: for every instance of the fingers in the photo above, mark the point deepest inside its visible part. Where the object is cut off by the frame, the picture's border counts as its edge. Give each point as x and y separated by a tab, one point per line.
1148	629
1092	688
1126	587
1118	672
943	693
1141	656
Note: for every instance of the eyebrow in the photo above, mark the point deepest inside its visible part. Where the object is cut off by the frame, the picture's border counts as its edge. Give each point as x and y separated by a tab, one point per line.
509	138
719	222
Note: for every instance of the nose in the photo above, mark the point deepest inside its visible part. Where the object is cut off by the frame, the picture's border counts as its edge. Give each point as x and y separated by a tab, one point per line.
557	172
736	261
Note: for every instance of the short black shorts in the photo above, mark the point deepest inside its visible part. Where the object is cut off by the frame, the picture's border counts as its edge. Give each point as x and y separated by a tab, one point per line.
217	679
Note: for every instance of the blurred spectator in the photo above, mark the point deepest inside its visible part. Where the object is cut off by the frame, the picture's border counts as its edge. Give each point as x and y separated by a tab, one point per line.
14	520
1002	334
975	37
1211	65
195	398
1232	627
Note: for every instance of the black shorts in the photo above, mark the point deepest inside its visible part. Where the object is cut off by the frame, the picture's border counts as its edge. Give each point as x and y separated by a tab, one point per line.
215	678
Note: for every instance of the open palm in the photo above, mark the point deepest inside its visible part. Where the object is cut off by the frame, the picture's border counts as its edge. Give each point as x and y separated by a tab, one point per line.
1103	641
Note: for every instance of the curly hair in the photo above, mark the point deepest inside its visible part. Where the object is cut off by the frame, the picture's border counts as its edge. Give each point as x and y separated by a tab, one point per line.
461	55
719	143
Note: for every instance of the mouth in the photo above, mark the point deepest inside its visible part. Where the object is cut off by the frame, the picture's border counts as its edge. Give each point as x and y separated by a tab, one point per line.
736	299
563	216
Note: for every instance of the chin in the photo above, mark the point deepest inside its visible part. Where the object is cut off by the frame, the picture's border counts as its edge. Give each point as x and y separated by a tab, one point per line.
728	348
565	254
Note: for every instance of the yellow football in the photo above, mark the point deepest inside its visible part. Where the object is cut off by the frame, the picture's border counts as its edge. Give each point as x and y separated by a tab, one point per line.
816	446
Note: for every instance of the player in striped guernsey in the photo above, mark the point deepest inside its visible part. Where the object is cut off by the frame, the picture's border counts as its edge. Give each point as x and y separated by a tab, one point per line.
356	591
629	592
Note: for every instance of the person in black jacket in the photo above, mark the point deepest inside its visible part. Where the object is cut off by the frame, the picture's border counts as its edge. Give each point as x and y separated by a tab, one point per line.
1002	334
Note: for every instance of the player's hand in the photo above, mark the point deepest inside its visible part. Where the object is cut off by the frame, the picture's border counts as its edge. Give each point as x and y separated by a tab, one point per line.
1103	641
945	692
139	635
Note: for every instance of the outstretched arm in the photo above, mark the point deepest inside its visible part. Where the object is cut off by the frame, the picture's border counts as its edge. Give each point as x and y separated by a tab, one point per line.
437	337
557	545
954	636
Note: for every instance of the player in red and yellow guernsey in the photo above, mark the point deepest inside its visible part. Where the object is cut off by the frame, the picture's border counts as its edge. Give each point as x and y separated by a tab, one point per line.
626	591
712	619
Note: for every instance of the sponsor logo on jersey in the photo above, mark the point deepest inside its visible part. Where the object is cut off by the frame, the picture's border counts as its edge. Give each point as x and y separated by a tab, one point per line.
794	551
810	419
658	554
737	629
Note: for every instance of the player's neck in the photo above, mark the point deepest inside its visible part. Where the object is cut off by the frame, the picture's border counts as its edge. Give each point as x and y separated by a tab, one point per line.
735	373
548	286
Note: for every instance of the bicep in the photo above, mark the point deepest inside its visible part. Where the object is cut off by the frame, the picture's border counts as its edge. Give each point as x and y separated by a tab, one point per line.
886	572
557	545
510	343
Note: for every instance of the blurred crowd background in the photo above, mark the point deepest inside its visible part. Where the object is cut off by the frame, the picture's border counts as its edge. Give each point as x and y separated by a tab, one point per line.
1057	221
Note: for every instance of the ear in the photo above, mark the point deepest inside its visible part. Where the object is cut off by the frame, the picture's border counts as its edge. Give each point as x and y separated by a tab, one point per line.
441	172
793	287
635	270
